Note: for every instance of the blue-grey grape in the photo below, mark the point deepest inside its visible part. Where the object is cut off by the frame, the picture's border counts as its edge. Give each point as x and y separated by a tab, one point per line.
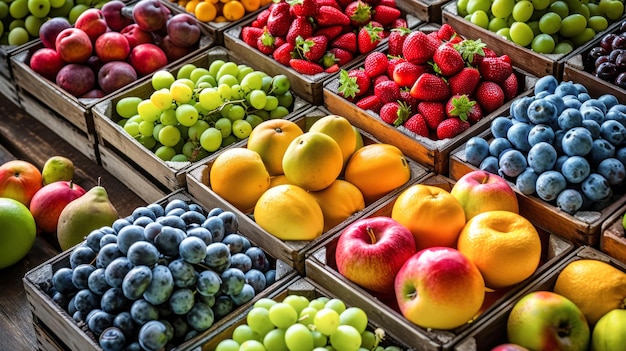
136	282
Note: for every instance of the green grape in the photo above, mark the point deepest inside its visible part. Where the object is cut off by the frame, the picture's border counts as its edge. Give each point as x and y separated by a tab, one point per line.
265	302
168	118
522	11
243	332
257	98
597	23
210	99
225	126
225	91
319	339
135	118
227	68
560	8
265	115
271	103
241	128
335	304
539	5
215	66
156	130
197	73
227	345
584	10
211	139
275	340
236	112
307	315
179	158
252	81
478	5
282	315
206	79
132	128
346	338
243	71
187	115
181	92
563	47
227	79
355	317
502	8
197	129
146	128
162	79
326	321
252	345
280	84
285	100
149	142
229	140
368	340
594	10
534	26
225	109
319	302
461	7
573	5
521	33
267	83
504	32
550	23
254	120
185	71
148	111
392	348
236	92
165	153
543	44
258	319
299	338
586	35
162	99
127	107
122	122
298	302
279	112
495	24
169	136
480	18
573	25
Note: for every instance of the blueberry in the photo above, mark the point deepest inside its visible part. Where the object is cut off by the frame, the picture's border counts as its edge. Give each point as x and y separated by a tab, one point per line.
256	279
609	100
571	102
192	249
613	131
613	170
143	211
593	113
539	133
208	283
542	157
176	203
526	182
82	254
512	163
152	335
546	83
620	154
183	273
136	282
246	294
577	141
570	118
476	149
557	101
499	145
233	280
559	162
575	169
582	97
569	200
518	136
500	125
619	108
542	94
519	108
112	339
601	150
242	261
581	88
490	164
596	187
549	185
593	127
558	141
596	103
614	114
542	111
565	88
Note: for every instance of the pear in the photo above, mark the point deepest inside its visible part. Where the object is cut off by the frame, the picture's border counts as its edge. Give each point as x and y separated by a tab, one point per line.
57	168
91	211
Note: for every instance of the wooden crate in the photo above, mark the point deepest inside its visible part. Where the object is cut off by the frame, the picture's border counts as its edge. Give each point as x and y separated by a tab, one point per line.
613	236
309	87
7	83
582	228
292	252
124	156
321	267
427	11
303	286
493	332
56	330
535	63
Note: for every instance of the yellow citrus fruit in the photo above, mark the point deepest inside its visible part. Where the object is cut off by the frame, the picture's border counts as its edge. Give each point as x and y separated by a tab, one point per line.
233	10
505	247
432	214
377	169
190	6
338	201
205	11
278	180
270	139
251	5
18	231
312	161
340	129
289	213
239	176
596	287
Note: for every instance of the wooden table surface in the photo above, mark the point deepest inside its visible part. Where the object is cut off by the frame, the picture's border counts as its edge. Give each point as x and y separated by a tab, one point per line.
23	137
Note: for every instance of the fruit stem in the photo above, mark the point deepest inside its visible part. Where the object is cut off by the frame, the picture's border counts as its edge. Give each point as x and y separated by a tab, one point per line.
370	232
99	181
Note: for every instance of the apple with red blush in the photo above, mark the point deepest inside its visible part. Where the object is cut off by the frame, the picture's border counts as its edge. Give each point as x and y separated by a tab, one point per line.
112	12
20	180
50	29
147	58
183	30
370	252
136	35
112	46
75	78
47	203
172	51
47	62
150	15
115	75
480	191
74	45
509	347
93	94
92	22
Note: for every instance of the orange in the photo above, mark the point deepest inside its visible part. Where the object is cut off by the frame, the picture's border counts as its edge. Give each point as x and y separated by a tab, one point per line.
270	139
504	246
312	161
239	176
18	231
289	213
265	2
205	11
340	129
432	214
190	6
251	5
278	180
233	10
377	169
338	202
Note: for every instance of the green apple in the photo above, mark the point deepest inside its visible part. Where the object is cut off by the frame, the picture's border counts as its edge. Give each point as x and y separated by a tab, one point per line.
18	231
76	11
610	331
543	320
56	3
32	25
18	36
18	8
624	221
38	8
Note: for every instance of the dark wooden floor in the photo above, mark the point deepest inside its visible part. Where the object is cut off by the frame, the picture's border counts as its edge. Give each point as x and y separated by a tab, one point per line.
23	137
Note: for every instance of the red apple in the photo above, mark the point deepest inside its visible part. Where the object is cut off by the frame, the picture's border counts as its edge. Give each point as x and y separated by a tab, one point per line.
49	201
76	79
480	191
439	288
183	30
92	22
544	320
112	46
94	94
372	250
50	29
112	12
150	15
136	35
20	180
147	58
172	51
509	347
115	75
74	45
46	62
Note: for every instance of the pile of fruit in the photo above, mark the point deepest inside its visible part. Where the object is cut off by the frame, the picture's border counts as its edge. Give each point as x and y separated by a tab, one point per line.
299	184
297	323
200	110
560	144
608	59
547	27
436	84
109	48
313	36
220	11
160	276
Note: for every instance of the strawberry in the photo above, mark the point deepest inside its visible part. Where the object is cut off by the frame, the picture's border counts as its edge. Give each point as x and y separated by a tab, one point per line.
394	113
331	3
332	69
510	86
390	3
284	53
305	67
459	106
341	56
330	32
430	87
346	41
411	102
380	78
451	127
369	37
279	20
399	23
387	91
313	48
419	47
299	27
447	61
306	8
490	96
375	63
417	125
475	114
353	83
385	15
472	51
433	111
250	35
446	32
265	43
391	65
406	73
261	19
464	82
495	69
359	13
330	16
396	40
370	102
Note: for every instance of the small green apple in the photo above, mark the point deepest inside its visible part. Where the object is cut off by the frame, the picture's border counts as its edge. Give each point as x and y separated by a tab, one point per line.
38	8
57	168
18	231
610	331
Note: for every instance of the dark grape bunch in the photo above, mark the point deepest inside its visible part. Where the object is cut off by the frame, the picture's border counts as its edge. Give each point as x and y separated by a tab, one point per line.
608	60
160	276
